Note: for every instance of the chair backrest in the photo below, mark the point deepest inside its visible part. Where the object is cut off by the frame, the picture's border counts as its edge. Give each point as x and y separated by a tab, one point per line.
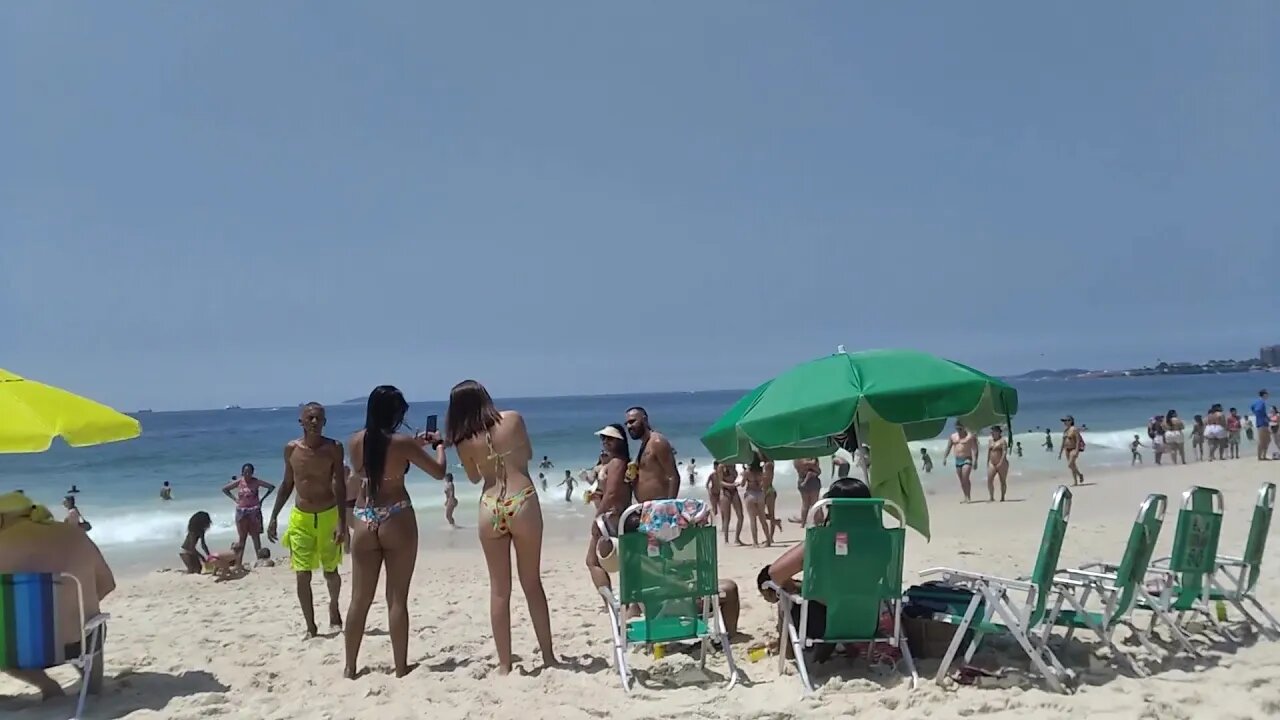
1055	531
1195	542
29	622
1144	534
1258	529
852	565
668	577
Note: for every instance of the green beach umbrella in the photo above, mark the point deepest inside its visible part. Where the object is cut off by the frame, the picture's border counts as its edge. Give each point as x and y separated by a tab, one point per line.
895	396
797	413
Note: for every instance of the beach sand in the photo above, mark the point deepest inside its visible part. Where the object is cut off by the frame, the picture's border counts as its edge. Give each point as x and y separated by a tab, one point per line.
187	647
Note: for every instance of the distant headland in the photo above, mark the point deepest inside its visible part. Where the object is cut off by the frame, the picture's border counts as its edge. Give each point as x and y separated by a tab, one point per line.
1212	367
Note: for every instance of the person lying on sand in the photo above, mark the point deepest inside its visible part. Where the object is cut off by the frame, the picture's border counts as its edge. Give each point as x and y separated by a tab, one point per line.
31	541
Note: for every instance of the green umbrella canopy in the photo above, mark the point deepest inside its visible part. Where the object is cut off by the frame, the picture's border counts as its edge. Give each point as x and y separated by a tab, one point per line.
795	414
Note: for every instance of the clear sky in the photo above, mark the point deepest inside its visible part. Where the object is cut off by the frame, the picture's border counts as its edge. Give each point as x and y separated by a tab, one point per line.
268	203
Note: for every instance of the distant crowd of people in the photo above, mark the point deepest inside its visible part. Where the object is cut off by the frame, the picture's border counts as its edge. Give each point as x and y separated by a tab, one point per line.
1216	431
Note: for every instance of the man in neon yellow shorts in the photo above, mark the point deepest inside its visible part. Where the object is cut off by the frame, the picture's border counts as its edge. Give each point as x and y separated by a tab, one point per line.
317	529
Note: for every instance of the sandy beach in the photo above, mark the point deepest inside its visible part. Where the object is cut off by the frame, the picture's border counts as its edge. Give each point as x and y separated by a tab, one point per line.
185	647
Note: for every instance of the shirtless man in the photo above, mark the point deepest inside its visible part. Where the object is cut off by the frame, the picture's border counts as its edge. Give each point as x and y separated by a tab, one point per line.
965	444
997	463
809	483
658	479
317	529
1071	446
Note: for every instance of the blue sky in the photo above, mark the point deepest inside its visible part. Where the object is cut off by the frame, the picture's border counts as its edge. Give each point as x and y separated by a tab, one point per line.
266	203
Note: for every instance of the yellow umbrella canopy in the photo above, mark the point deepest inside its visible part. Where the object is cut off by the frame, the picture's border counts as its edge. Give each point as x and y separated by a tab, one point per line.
32	414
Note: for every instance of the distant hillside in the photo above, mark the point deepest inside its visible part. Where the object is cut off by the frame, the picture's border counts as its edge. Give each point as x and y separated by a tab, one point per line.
1052	374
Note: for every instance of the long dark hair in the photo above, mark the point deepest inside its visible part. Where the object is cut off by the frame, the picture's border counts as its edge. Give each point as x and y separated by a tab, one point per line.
199	523
471	412
621	441
382	418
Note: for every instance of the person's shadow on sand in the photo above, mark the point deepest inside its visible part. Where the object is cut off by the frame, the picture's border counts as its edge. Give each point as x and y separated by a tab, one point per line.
121	694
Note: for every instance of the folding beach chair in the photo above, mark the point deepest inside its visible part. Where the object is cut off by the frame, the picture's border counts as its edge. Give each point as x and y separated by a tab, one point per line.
1116	587
1183	582
1237	577
1003	613
677	583
29	627
852	573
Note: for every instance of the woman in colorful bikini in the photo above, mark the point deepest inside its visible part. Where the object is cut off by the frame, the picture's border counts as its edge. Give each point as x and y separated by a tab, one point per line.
753	495
386	529
493	447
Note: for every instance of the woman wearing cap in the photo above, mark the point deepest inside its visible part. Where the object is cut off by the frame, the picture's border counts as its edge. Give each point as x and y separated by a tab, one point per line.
615	488
1072	444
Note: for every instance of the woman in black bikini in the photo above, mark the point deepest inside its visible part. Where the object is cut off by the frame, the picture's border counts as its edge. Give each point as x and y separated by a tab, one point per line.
729	500
387	531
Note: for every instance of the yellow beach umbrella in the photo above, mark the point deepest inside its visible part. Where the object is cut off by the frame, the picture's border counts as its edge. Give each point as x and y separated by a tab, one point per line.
32	414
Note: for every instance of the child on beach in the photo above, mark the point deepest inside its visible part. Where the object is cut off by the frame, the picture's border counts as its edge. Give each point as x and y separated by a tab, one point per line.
567	484
192	559
1018	447
926	461
1136	458
1048	440
451	500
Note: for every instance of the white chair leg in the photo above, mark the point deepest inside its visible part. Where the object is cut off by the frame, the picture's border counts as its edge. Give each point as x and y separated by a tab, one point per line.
961	629
1275	626
1019	634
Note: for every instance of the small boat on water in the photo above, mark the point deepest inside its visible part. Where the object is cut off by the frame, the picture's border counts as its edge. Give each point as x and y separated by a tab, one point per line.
231	407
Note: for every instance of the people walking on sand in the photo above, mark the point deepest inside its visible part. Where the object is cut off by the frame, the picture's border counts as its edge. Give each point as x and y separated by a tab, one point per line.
450	500
693	471
1135	457
386	530
1215	432
1174	440
1262	422
1155	431
1197	437
567	483
770	499
248	507
317	529
926	462
494	448
1072	446
997	463
809	484
1048	441
658	477
965	445
731	501
1233	433
753	498
713	488
166	492
1018	446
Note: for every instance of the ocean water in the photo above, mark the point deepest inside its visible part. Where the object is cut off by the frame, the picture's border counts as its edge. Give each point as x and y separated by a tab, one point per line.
198	451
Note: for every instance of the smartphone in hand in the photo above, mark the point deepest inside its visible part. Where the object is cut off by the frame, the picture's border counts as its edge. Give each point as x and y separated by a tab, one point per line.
433	424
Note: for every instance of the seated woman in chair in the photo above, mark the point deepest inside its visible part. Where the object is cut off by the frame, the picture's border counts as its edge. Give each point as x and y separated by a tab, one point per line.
31	541
784	570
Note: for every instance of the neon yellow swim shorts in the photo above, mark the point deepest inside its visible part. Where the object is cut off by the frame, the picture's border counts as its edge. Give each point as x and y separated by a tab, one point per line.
310	540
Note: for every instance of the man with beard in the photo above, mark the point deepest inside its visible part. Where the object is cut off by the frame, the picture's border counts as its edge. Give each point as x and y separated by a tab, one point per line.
658	477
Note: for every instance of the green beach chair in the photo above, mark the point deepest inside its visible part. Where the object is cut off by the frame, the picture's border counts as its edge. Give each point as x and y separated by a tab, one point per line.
1116	587
29	627
852	572
1237	577
677	584
1184	581
1011	607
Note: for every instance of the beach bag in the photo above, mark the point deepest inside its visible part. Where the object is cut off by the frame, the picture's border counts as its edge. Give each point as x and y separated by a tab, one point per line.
1080	442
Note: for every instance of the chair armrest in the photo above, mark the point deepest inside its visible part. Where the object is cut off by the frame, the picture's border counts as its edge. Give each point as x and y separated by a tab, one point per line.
1231	560
1160	562
782	594
96	622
